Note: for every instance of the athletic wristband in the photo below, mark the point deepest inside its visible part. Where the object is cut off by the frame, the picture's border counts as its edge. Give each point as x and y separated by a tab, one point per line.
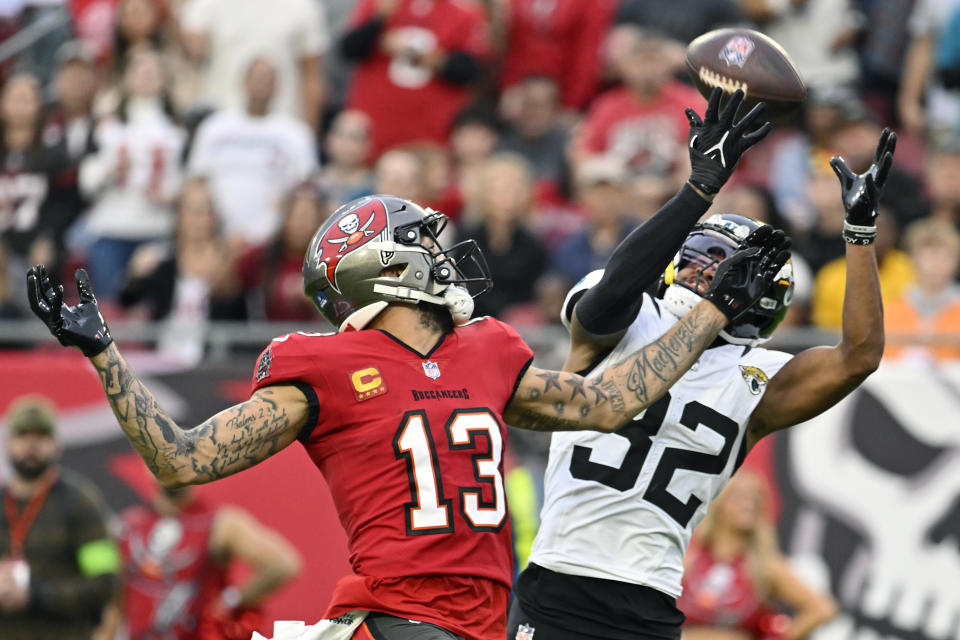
858	234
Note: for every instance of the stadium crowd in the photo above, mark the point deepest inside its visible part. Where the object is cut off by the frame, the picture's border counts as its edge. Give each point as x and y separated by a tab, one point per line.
184	150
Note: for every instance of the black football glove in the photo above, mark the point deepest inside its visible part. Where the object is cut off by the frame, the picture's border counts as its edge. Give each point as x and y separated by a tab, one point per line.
744	277
861	193
81	326
716	143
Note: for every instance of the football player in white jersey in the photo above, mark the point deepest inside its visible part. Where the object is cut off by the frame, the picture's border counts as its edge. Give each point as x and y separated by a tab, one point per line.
619	508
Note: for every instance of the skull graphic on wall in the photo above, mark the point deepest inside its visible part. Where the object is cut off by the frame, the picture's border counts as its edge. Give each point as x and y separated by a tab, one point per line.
885	465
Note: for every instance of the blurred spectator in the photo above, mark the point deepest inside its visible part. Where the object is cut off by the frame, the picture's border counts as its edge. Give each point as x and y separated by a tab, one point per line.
345	175
134	175
735	578
601	192
929	309
30	163
537	134
559	40
823	113
270	275
641	124
473	139
75	84
59	566
818	34
181	549
413	57
253	158
515	256
943	182
227	35
680	20
192	280
439	192
139	25
883	49
929	100
895	271
399	172
70	123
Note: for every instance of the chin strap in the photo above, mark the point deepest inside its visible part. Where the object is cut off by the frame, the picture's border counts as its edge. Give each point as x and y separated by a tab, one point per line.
456	299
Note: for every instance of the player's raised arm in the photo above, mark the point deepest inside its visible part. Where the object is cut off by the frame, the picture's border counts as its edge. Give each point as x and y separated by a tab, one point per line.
230	441
818	378
556	401
716	144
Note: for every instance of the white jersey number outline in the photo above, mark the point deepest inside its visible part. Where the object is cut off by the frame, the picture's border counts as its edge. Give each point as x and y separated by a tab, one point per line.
428	512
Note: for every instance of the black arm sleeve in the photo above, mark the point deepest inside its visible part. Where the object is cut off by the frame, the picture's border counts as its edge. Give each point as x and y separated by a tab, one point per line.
611	305
460	68
358	43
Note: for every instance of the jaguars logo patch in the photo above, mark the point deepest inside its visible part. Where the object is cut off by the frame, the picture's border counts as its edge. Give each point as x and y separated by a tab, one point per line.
755	378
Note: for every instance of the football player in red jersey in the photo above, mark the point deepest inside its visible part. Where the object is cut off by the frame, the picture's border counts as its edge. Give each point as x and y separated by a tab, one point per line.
403	410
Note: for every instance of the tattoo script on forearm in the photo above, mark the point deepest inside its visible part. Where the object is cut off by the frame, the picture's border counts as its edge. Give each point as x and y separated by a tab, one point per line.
230	441
624	390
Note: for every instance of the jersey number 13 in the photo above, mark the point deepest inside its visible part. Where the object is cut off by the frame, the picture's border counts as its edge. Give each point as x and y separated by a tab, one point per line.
428	510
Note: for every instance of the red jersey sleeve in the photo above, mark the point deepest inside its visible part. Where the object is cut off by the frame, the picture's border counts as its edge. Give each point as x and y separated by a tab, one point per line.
286	360
516	357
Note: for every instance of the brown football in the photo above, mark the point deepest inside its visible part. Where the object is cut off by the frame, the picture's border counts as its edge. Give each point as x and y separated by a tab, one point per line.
738	58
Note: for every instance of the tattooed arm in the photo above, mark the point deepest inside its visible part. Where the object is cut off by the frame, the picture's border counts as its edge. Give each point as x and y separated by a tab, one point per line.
559	401
229	442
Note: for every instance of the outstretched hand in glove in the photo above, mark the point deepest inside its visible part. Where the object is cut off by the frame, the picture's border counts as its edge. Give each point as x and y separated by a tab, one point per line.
80	326
717	142
861	192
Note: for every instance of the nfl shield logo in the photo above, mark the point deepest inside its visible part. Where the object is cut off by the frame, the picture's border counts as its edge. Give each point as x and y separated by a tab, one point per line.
737	50
431	369
525	632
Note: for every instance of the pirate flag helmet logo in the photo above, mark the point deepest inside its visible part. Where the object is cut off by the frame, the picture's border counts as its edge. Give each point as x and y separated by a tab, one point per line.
382	249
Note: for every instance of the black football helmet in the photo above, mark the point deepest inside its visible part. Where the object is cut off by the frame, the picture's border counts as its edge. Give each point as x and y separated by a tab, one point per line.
710	242
381	249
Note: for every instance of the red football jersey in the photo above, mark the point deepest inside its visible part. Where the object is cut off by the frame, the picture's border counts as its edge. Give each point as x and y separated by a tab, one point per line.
651	136
169	576
559	39
412	447
408	102
723	595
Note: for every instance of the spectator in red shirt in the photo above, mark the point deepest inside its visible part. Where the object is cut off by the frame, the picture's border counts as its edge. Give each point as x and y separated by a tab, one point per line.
270	274
559	39
414	57
642	123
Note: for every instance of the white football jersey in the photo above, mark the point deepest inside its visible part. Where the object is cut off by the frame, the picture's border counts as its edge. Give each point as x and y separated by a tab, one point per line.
622	506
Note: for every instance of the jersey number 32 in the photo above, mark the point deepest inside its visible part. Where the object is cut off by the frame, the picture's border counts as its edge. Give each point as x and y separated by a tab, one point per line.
640	433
